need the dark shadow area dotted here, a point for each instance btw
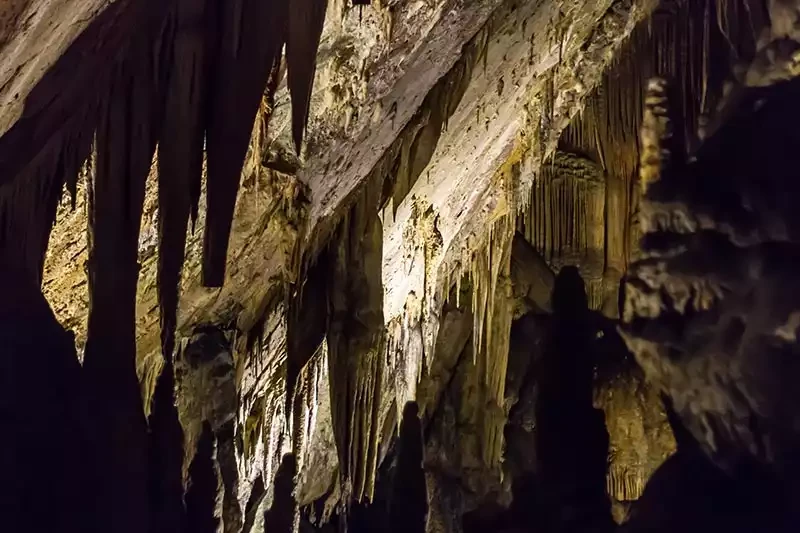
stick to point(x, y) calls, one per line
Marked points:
point(281, 515)
point(46, 446)
point(690, 494)
point(571, 439)
point(165, 448)
point(409, 504)
point(201, 495)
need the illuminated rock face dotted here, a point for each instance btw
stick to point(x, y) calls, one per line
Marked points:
point(393, 239)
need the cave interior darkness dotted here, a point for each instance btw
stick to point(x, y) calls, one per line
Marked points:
point(432, 266)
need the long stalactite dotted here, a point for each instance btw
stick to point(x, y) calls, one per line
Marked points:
point(306, 18)
point(124, 145)
point(214, 60)
point(186, 76)
point(180, 153)
point(356, 347)
point(251, 37)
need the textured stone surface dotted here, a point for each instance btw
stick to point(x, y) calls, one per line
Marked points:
point(446, 108)
point(373, 74)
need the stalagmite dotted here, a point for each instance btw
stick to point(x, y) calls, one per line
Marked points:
point(282, 516)
point(409, 504)
point(254, 501)
point(230, 481)
point(572, 456)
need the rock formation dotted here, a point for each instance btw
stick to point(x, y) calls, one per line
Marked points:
point(442, 266)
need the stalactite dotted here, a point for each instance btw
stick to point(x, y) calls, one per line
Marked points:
point(356, 346)
point(125, 142)
point(306, 18)
point(263, 419)
point(28, 205)
point(492, 310)
point(564, 220)
point(251, 40)
point(206, 390)
point(229, 474)
point(679, 42)
point(273, 424)
point(180, 154)
point(306, 321)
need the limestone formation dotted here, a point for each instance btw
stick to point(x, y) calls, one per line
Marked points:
point(441, 266)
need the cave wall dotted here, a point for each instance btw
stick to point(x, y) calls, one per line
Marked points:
point(411, 242)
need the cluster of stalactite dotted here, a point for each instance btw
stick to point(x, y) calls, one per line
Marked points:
point(710, 306)
point(492, 308)
point(565, 218)
point(264, 423)
point(186, 77)
point(192, 82)
point(262, 437)
point(343, 264)
point(640, 437)
point(282, 357)
point(358, 353)
point(356, 345)
point(693, 43)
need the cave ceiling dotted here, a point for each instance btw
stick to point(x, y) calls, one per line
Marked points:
point(452, 93)
point(281, 222)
